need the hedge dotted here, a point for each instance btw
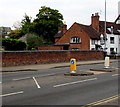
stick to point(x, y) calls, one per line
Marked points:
point(13, 44)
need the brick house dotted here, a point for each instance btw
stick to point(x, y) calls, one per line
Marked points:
point(83, 37)
point(79, 36)
point(88, 37)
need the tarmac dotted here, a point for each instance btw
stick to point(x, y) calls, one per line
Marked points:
point(58, 65)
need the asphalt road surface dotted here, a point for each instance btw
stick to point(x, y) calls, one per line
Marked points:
point(51, 87)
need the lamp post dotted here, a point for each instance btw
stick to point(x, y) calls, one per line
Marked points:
point(105, 36)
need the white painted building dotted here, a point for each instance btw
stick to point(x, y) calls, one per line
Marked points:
point(113, 44)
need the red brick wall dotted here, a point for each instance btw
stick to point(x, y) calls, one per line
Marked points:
point(56, 39)
point(50, 48)
point(43, 57)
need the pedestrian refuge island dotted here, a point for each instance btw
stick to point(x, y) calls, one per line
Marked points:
point(106, 67)
point(73, 70)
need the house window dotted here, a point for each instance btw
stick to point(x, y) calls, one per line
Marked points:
point(93, 42)
point(111, 50)
point(75, 49)
point(112, 40)
point(75, 40)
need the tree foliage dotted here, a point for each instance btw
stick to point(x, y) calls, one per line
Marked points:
point(34, 41)
point(26, 24)
point(15, 34)
point(47, 23)
point(13, 44)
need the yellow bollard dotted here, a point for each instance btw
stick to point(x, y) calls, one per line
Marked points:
point(73, 65)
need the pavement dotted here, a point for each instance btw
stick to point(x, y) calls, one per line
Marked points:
point(49, 66)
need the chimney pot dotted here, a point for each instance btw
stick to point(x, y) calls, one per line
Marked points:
point(96, 14)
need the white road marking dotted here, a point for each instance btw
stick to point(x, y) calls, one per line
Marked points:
point(115, 75)
point(36, 82)
point(15, 93)
point(60, 85)
point(0, 82)
point(17, 79)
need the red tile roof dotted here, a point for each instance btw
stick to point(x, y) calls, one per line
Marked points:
point(92, 33)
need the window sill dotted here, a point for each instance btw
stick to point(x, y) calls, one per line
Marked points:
point(75, 43)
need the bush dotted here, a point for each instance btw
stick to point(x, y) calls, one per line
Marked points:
point(34, 41)
point(13, 44)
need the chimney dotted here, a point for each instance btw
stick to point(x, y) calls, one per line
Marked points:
point(95, 21)
point(63, 28)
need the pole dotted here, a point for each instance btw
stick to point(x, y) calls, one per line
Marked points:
point(105, 27)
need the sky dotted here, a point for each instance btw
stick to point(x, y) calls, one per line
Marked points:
point(80, 11)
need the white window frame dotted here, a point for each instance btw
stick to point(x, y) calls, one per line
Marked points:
point(75, 40)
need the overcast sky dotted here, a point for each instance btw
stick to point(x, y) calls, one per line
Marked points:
point(12, 11)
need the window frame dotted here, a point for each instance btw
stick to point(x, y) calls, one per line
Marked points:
point(75, 40)
point(112, 40)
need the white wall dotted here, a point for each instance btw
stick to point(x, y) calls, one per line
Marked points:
point(116, 44)
point(92, 46)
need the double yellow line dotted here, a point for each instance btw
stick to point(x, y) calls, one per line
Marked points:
point(103, 101)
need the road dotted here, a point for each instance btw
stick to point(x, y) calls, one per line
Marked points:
point(51, 87)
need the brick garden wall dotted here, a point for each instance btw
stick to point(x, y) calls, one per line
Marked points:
point(43, 57)
point(50, 48)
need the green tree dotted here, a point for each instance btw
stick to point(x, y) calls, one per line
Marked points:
point(15, 34)
point(47, 23)
point(34, 41)
point(13, 44)
point(26, 24)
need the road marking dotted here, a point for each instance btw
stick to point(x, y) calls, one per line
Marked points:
point(104, 100)
point(15, 93)
point(115, 74)
point(17, 79)
point(36, 82)
point(0, 82)
point(60, 85)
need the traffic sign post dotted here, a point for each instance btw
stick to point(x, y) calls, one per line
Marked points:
point(72, 65)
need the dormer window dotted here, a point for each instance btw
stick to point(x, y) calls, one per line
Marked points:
point(75, 40)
